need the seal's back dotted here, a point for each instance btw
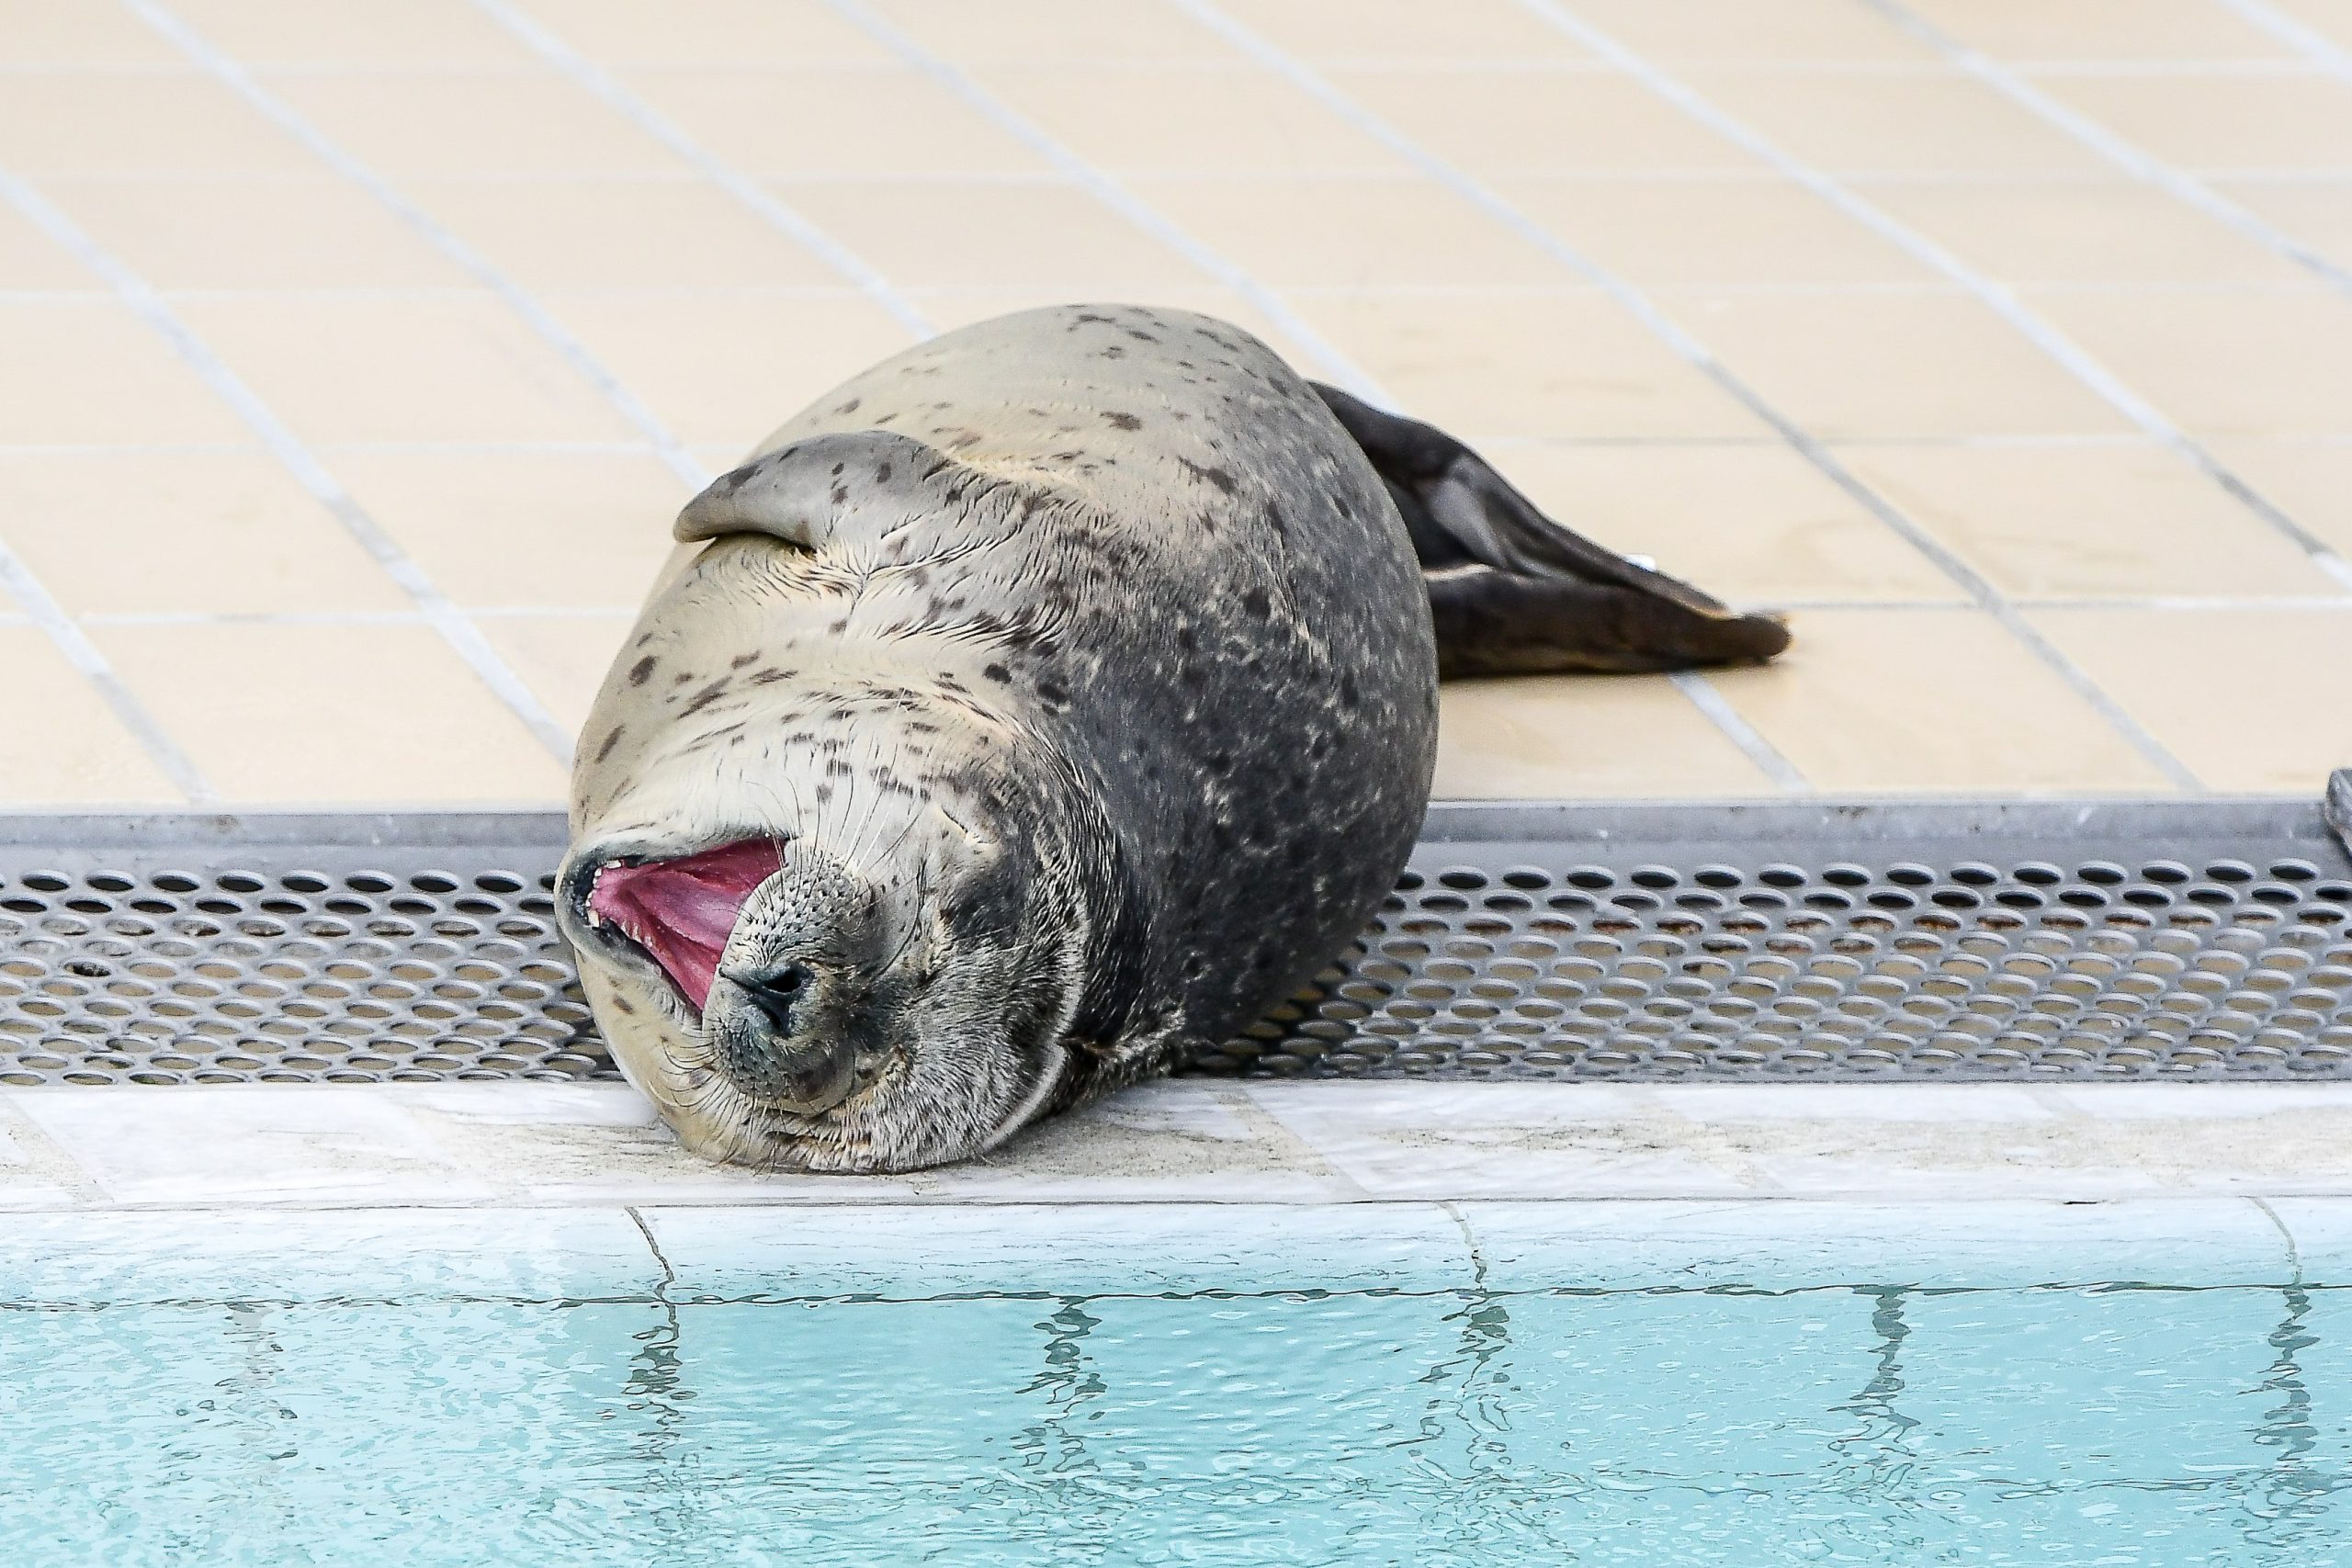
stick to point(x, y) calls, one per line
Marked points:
point(1198, 591)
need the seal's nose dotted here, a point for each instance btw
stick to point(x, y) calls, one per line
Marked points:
point(773, 1060)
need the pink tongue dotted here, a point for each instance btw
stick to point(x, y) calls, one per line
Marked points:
point(682, 911)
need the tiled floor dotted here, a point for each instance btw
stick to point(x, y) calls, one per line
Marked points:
point(352, 354)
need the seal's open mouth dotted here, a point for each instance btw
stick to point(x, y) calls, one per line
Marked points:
point(682, 911)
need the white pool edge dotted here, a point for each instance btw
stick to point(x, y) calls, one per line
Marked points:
point(537, 1190)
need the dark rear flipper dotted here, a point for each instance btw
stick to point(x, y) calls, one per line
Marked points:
point(1515, 594)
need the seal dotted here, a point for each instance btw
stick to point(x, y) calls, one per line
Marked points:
point(1039, 705)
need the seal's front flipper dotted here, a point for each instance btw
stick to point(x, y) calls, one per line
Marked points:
point(1513, 593)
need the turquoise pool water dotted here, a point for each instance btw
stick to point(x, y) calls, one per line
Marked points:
point(1725, 1424)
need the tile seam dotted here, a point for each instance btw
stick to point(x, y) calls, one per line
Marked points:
point(298, 459)
point(2313, 43)
point(567, 344)
point(1688, 348)
point(40, 608)
point(2078, 361)
point(1110, 192)
point(2053, 344)
point(1334, 362)
point(2116, 148)
point(608, 90)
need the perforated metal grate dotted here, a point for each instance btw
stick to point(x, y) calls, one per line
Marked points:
point(2182, 940)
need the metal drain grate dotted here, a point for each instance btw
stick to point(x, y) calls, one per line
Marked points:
point(2021, 941)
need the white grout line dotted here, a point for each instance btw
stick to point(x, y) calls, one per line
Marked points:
point(1332, 361)
point(2296, 34)
point(552, 331)
point(1081, 289)
point(42, 611)
point(2116, 149)
point(2002, 300)
point(1460, 64)
point(299, 460)
point(1116, 196)
point(605, 88)
point(1785, 775)
point(1693, 351)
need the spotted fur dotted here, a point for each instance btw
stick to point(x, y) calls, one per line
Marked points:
point(1087, 642)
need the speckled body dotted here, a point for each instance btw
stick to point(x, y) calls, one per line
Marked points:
point(1107, 585)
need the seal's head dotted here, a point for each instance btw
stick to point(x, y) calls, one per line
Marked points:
point(884, 1000)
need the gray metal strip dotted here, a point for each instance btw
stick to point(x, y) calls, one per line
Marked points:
point(2031, 941)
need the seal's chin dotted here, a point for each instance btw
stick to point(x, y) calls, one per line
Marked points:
point(682, 911)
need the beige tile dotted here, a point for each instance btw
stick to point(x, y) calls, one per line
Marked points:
point(2317, 212)
point(563, 659)
point(1053, 29)
point(354, 32)
point(709, 32)
point(1941, 701)
point(75, 32)
point(220, 533)
point(2262, 121)
point(1894, 364)
point(1405, 29)
point(1353, 233)
point(2082, 522)
point(552, 529)
point(331, 713)
point(2225, 364)
point(91, 371)
point(2240, 696)
point(142, 122)
point(1926, 121)
point(1757, 526)
point(597, 233)
point(294, 232)
point(2093, 231)
point(727, 370)
point(1696, 232)
point(1565, 738)
point(1187, 120)
point(60, 743)
point(835, 121)
point(31, 259)
point(1555, 366)
point(950, 234)
point(1565, 120)
point(2100, 29)
point(447, 367)
point(489, 122)
point(1753, 31)
point(2312, 479)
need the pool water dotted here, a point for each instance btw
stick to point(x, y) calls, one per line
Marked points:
point(1847, 1424)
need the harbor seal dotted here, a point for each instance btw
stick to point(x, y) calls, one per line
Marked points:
point(1039, 705)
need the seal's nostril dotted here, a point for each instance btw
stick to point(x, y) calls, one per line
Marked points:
point(775, 994)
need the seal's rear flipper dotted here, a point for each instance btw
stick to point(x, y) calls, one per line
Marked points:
point(2336, 807)
point(1513, 593)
